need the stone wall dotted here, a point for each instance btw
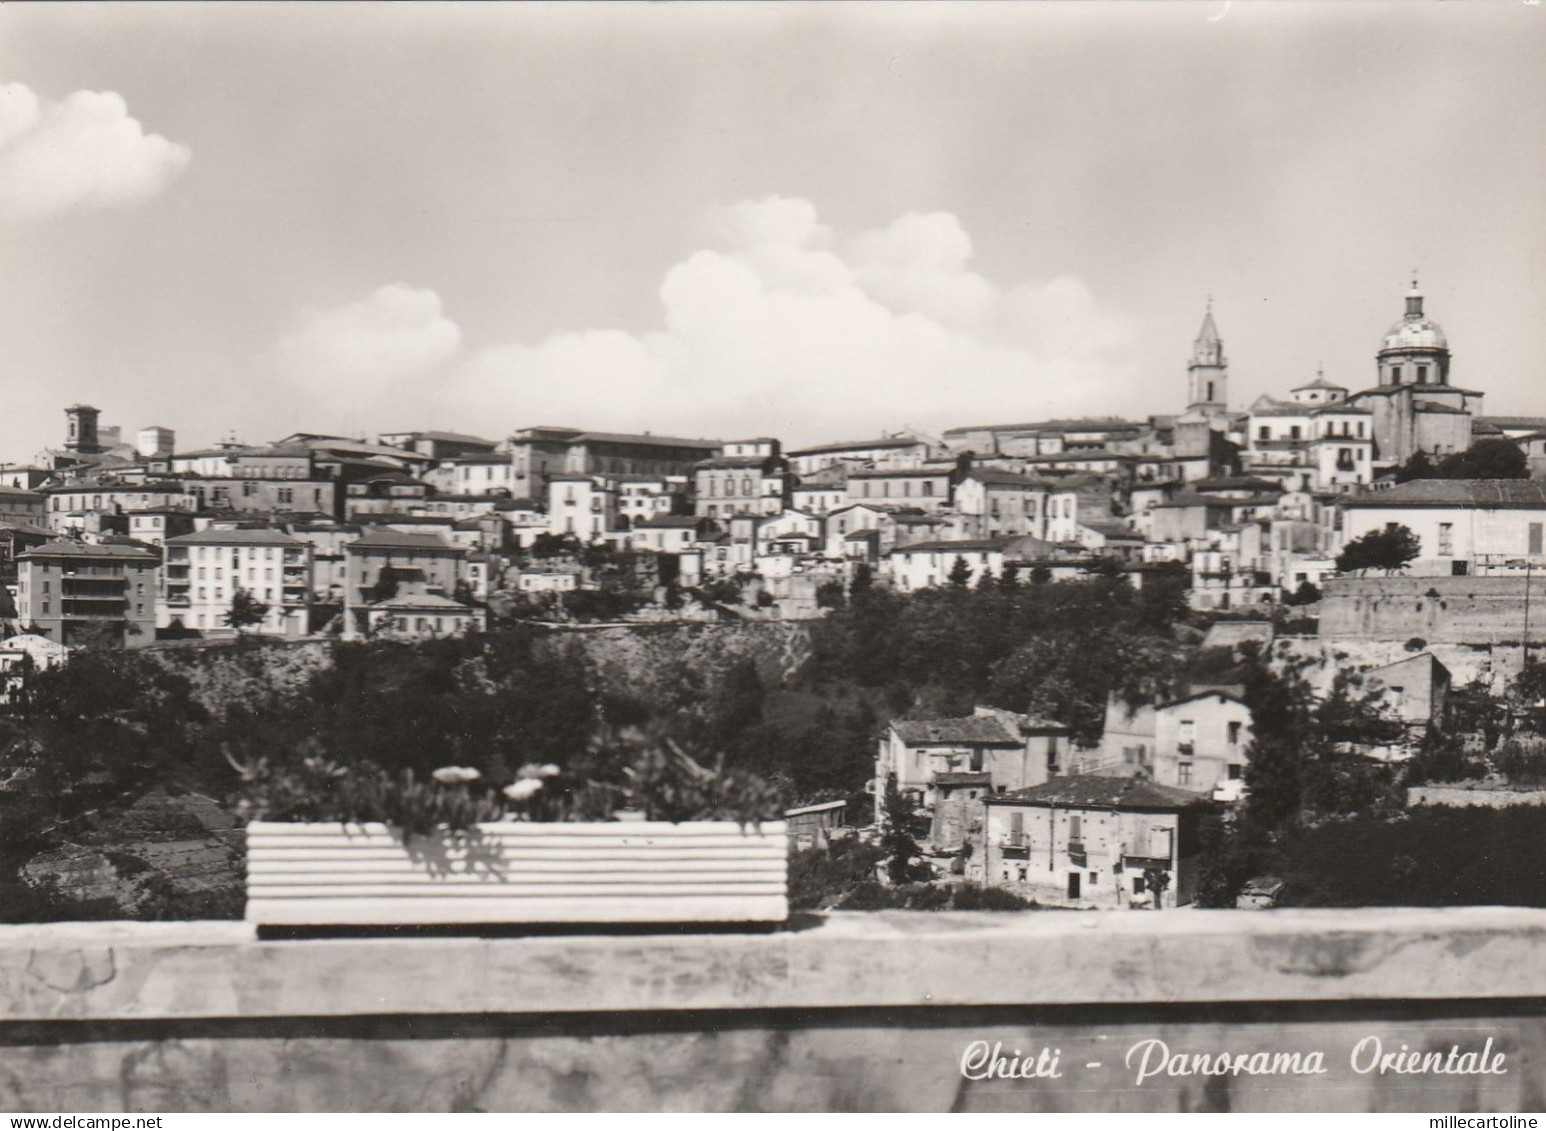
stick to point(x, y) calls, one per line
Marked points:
point(1449, 610)
point(882, 1011)
point(1493, 665)
point(1473, 797)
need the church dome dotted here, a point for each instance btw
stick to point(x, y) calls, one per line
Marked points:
point(1415, 334)
point(1415, 331)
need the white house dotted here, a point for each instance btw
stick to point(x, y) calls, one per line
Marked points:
point(1464, 525)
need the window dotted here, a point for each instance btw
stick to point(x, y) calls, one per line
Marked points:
point(1184, 773)
point(1138, 888)
point(1188, 730)
point(928, 487)
point(1422, 374)
point(1234, 733)
point(1295, 432)
point(1535, 537)
point(1446, 539)
point(1395, 375)
point(1233, 771)
point(1075, 827)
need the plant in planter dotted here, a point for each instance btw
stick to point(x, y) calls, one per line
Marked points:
point(357, 845)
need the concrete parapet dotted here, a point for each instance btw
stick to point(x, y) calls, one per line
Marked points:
point(842, 1011)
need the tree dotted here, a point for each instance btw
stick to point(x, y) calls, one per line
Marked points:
point(1418, 467)
point(1306, 594)
point(245, 611)
point(386, 585)
point(960, 573)
point(1496, 458)
point(1157, 880)
point(1389, 549)
point(830, 595)
point(896, 839)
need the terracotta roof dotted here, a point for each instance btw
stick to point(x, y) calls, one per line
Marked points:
point(1080, 425)
point(1487, 494)
point(1235, 483)
point(642, 438)
point(385, 538)
point(993, 477)
point(861, 445)
point(963, 778)
point(427, 601)
point(733, 462)
point(972, 730)
point(65, 549)
point(957, 547)
point(246, 537)
point(1090, 791)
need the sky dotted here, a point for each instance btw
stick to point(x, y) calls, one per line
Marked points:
point(817, 222)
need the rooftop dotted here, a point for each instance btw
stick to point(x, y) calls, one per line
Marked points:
point(971, 730)
point(67, 549)
point(959, 546)
point(1486, 494)
point(861, 445)
point(1084, 424)
point(241, 537)
point(1089, 790)
point(643, 438)
point(385, 538)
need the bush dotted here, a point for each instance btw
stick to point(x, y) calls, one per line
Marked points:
point(821, 878)
point(872, 896)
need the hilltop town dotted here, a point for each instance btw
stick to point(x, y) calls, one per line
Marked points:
point(1366, 541)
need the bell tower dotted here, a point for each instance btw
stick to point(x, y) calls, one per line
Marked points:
point(81, 432)
point(1208, 370)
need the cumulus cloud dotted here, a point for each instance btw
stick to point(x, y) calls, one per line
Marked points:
point(82, 154)
point(352, 355)
point(780, 326)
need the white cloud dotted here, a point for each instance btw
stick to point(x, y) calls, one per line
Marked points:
point(83, 154)
point(350, 356)
point(772, 330)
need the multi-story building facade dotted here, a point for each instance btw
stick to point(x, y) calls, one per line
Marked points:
point(1009, 751)
point(440, 445)
point(1002, 503)
point(748, 484)
point(251, 495)
point(1463, 525)
point(17, 505)
point(1092, 841)
point(1200, 743)
point(75, 593)
point(203, 572)
point(888, 451)
point(70, 501)
point(414, 565)
point(480, 473)
point(155, 525)
point(923, 488)
point(581, 506)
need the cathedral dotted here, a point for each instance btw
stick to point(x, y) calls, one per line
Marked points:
point(1412, 407)
point(1415, 407)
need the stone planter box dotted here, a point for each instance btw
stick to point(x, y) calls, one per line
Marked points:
point(332, 874)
